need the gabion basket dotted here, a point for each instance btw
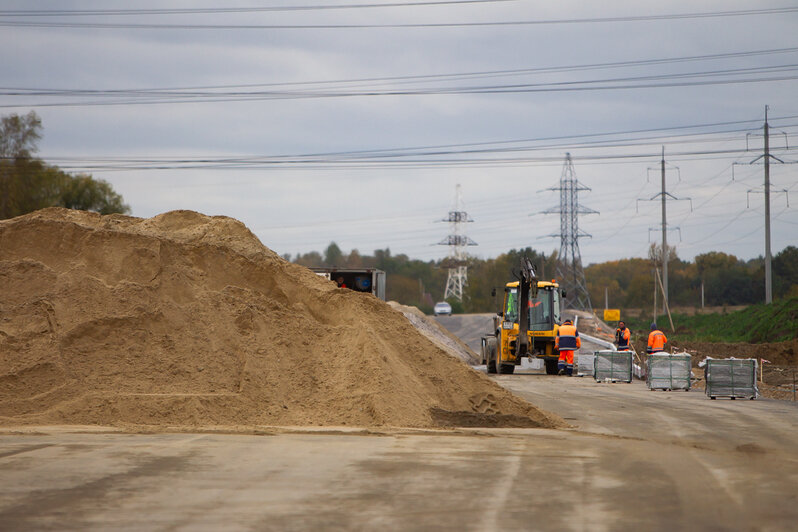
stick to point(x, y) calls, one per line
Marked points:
point(665, 371)
point(612, 366)
point(731, 378)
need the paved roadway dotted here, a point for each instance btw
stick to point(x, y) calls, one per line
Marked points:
point(633, 460)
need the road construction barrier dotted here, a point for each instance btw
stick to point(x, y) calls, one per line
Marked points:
point(666, 371)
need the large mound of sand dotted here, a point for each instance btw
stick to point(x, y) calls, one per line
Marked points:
point(436, 333)
point(188, 320)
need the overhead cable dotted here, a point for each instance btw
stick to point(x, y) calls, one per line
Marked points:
point(589, 20)
point(226, 10)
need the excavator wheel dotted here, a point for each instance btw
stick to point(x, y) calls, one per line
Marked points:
point(490, 354)
point(551, 366)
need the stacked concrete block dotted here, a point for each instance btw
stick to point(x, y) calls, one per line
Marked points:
point(731, 377)
point(612, 366)
point(665, 371)
point(584, 364)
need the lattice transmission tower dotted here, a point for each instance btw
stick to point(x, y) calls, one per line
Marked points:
point(457, 242)
point(570, 274)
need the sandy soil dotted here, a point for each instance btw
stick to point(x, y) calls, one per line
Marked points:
point(188, 320)
point(437, 333)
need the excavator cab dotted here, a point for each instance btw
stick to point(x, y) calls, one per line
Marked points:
point(543, 310)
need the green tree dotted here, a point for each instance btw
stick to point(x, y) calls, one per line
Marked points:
point(28, 184)
point(19, 134)
point(727, 280)
point(18, 137)
point(309, 260)
point(333, 255)
point(86, 194)
point(714, 260)
point(785, 272)
point(354, 260)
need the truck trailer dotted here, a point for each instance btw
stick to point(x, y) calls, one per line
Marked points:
point(369, 280)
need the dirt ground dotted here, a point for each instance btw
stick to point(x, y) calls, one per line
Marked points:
point(778, 372)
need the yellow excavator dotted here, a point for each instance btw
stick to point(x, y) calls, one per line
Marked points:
point(527, 324)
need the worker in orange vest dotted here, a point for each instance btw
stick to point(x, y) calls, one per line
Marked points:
point(656, 340)
point(622, 336)
point(567, 341)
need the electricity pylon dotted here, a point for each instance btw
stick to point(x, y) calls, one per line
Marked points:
point(570, 274)
point(457, 242)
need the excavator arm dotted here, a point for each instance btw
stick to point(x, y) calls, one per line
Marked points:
point(527, 288)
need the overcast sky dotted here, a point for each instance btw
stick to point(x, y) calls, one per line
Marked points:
point(261, 121)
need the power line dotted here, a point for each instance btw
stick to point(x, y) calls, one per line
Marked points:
point(457, 148)
point(224, 10)
point(689, 79)
point(407, 163)
point(591, 20)
point(22, 91)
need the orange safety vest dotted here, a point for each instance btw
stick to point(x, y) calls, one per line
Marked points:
point(623, 337)
point(656, 341)
point(567, 338)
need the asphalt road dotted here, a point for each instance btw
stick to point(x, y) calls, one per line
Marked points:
point(633, 460)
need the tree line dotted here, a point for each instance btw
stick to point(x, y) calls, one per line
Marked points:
point(629, 283)
point(27, 183)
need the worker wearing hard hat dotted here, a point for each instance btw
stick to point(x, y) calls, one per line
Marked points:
point(656, 340)
point(567, 341)
point(622, 336)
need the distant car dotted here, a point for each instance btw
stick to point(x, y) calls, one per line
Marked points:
point(442, 308)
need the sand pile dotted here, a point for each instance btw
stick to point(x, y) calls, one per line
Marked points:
point(437, 333)
point(188, 320)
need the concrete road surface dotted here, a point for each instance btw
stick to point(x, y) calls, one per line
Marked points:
point(633, 460)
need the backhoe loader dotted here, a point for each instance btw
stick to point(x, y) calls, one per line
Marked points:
point(527, 324)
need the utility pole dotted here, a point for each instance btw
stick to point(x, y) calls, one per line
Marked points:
point(768, 279)
point(766, 156)
point(702, 294)
point(654, 319)
point(665, 255)
point(664, 238)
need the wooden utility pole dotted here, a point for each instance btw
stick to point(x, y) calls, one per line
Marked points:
point(667, 308)
point(656, 274)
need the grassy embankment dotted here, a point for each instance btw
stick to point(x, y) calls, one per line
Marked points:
point(758, 323)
